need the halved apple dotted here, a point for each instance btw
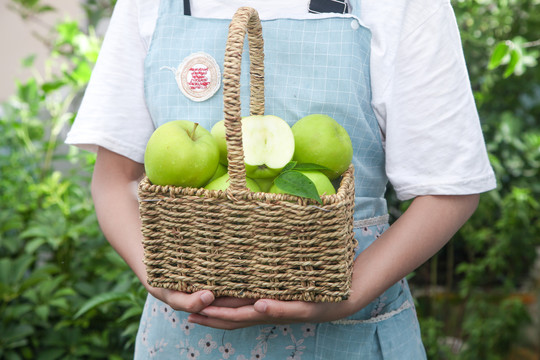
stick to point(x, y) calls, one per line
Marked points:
point(268, 144)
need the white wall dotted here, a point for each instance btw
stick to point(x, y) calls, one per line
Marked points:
point(17, 41)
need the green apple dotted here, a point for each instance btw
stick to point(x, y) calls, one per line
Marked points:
point(181, 153)
point(222, 183)
point(322, 183)
point(321, 140)
point(268, 144)
point(220, 171)
point(218, 132)
point(265, 183)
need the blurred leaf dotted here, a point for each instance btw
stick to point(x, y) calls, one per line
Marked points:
point(52, 85)
point(52, 354)
point(15, 336)
point(500, 51)
point(45, 8)
point(42, 311)
point(12, 271)
point(135, 311)
point(28, 61)
point(99, 300)
point(515, 57)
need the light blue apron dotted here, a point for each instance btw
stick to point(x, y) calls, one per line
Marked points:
point(311, 66)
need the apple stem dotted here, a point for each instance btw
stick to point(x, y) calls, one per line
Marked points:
point(192, 135)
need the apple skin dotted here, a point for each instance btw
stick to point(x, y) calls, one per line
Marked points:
point(265, 183)
point(222, 183)
point(322, 183)
point(262, 171)
point(220, 171)
point(177, 155)
point(321, 140)
point(218, 132)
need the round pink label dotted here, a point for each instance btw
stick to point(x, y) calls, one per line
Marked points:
point(198, 76)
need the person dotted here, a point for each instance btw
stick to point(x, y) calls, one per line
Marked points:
point(392, 73)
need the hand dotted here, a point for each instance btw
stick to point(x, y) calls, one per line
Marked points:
point(266, 311)
point(197, 301)
point(191, 303)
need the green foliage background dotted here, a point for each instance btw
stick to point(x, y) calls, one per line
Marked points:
point(65, 293)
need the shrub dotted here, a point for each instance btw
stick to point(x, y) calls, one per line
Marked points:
point(64, 292)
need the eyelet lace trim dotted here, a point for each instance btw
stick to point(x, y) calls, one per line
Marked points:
point(406, 305)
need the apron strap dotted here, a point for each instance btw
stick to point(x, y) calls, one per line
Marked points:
point(187, 8)
point(329, 6)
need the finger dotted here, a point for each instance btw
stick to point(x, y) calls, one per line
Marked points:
point(263, 311)
point(243, 313)
point(191, 303)
point(218, 323)
point(300, 311)
point(290, 310)
point(233, 302)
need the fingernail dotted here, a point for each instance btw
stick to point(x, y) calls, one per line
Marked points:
point(207, 298)
point(260, 306)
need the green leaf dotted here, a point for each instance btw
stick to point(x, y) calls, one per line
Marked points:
point(99, 300)
point(65, 292)
point(52, 85)
point(115, 357)
point(12, 271)
point(13, 335)
point(500, 51)
point(33, 245)
point(515, 57)
point(35, 279)
point(295, 183)
point(28, 61)
point(45, 8)
point(52, 353)
point(310, 167)
point(135, 311)
point(42, 311)
point(289, 166)
point(27, 3)
point(67, 31)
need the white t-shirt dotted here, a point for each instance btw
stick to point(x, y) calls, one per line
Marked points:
point(421, 92)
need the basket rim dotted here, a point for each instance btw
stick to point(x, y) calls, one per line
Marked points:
point(147, 191)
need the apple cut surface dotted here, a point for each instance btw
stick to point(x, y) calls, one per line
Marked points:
point(268, 144)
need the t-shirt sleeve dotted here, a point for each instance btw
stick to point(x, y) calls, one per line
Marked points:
point(433, 139)
point(113, 112)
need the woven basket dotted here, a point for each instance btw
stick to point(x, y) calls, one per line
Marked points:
point(244, 244)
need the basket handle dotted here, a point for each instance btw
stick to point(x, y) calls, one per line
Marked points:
point(245, 19)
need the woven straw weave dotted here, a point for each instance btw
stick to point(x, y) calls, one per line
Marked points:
point(244, 244)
